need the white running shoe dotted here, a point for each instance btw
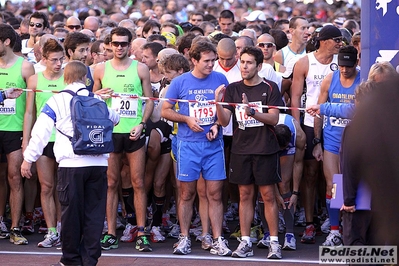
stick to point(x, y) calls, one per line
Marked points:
point(333, 239)
point(156, 235)
point(50, 240)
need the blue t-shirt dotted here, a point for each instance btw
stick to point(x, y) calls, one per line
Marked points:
point(188, 87)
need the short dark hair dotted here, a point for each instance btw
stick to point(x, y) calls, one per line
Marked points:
point(255, 52)
point(226, 14)
point(122, 31)
point(283, 134)
point(73, 40)
point(155, 47)
point(149, 25)
point(185, 41)
point(200, 47)
point(95, 47)
point(157, 37)
point(293, 21)
point(40, 15)
point(175, 62)
point(7, 32)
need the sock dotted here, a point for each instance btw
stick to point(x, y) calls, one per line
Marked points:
point(158, 202)
point(127, 195)
point(273, 238)
point(333, 214)
point(248, 239)
point(52, 229)
point(288, 214)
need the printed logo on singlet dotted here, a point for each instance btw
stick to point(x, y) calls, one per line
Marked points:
point(120, 76)
point(334, 66)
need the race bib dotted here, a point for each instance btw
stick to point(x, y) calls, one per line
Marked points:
point(125, 106)
point(205, 112)
point(244, 120)
point(9, 107)
point(339, 122)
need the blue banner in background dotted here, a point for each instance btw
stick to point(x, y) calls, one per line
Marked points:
point(379, 33)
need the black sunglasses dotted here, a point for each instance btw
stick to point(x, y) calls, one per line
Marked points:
point(37, 25)
point(76, 27)
point(117, 44)
point(61, 39)
point(266, 44)
point(337, 39)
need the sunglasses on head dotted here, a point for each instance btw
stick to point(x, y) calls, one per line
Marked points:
point(266, 44)
point(71, 27)
point(37, 25)
point(337, 39)
point(117, 44)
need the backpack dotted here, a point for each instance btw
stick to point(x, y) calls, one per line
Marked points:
point(92, 128)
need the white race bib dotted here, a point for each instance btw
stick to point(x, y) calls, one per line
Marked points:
point(9, 107)
point(125, 106)
point(244, 120)
point(205, 112)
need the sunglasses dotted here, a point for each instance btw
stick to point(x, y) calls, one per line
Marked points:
point(337, 39)
point(266, 44)
point(37, 25)
point(76, 27)
point(117, 44)
point(61, 39)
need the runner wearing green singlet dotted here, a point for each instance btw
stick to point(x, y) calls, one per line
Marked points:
point(125, 77)
point(51, 79)
point(14, 71)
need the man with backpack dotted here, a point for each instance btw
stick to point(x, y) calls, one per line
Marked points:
point(82, 180)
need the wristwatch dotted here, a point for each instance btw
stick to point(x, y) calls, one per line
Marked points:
point(316, 141)
point(251, 112)
point(144, 125)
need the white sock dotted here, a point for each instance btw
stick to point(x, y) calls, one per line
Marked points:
point(273, 238)
point(248, 239)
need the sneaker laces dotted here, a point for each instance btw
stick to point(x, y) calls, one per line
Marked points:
point(183, 241)
point(127, 230)
point(242, 244)
point(275, 247)
point(3, 226)
point(289, 237)
point(156, 231)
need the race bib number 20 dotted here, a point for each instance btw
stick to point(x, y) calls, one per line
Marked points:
point(125, 106)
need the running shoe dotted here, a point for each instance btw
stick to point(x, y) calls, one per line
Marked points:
point(325, 227)
point(265, 241)
point(166, 222)
point(256, 231)
point(236, 234)
point(172, 210)
point(334, 239)
point(4, 233)
point(289, 242)
point(309, 235)
point(231, 214)
point(183, 246)
point(109, 242)
point(274, 250)
point(206, 242)
point(119, 224)
point(43, 227)
point(175, 231)
point(50, 240)
point(299, 218)
point(142, 244)
point(243, 250)
point(226, 229)
point(17, 238)
point(28, 226)
point(130, 233)
point(196, 222)
point(221, 247)
point(156, 235)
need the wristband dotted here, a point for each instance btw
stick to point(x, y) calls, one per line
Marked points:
point(3, 94)
point(295, 193)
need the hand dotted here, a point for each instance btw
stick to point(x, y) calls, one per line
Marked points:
point(25, 169)
point(13, 93)
point(213, 132)
point(280, 201)
point(348, 208)
point(135, 133)
point(192, 123)
point(219, 93)
point(105, 93)
point(314, 110)
point(318, 152)
point(293, 202)
point(245, 101)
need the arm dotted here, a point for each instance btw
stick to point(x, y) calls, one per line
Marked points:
point(341, 110)
point(30, 111)
point(278, 57)
point(98, 89)
point(300, 144)
point(169, 113)
point(299, 74)
point(223, 114)
point(318, 122)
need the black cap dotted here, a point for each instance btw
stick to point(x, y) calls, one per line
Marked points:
point(347, 59)
point(328, 32)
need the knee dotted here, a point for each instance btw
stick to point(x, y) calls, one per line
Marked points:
point(186, 196)
point(113, 182)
